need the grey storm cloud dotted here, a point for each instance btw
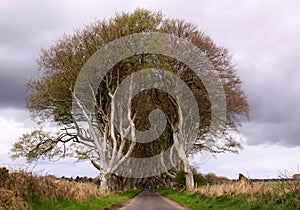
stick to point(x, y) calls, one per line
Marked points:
point(262, 36)
point(26, 26)
point(264, 40)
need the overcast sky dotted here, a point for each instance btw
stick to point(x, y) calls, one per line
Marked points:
point(262, 36)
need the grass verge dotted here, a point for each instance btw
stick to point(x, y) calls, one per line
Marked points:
point(43, 203)
point(233, 202)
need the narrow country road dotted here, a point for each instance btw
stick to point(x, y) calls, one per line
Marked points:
point(151, 200)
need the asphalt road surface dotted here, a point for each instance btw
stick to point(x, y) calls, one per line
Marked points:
point(151, 200)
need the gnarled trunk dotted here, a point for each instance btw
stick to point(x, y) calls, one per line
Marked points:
point(104, 182)
point(179, 143)
point(189, 178)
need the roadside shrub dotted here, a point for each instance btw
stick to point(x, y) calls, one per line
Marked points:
point(211, 179)
point(18, 188)
point(8, 200)
point(180, 179)
point(199, 179)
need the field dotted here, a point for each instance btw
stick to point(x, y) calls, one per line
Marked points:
point(236, 196)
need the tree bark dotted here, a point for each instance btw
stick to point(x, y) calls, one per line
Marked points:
point(179, 143)
point(189, 178)
point(104, 182)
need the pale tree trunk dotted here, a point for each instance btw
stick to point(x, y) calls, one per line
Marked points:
point(179, 143)
point(116, 160)
point(189, 178)
point(103, 177)
point(109, 157)
point(104, 182)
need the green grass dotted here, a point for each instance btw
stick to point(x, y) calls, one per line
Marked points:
point(41, 203)
point(237, 202)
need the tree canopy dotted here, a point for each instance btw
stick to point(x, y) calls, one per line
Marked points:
point(51, 94)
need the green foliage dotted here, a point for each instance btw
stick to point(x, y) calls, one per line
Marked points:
point(50, 96)
point(212, 179)
point(199, 179)
point(180, 179)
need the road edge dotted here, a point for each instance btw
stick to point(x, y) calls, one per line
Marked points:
point(173, 201)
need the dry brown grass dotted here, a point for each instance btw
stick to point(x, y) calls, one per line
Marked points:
point(236, 188)
point(17, 188)
point(283, 192)
point(8, 200)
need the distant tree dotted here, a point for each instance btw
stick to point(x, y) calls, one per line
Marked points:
point(296, 176)
point(212, 178)
point(180, 179)
point(199, 179)
point(50, 98)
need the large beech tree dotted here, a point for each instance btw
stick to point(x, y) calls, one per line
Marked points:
point(51, 94)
